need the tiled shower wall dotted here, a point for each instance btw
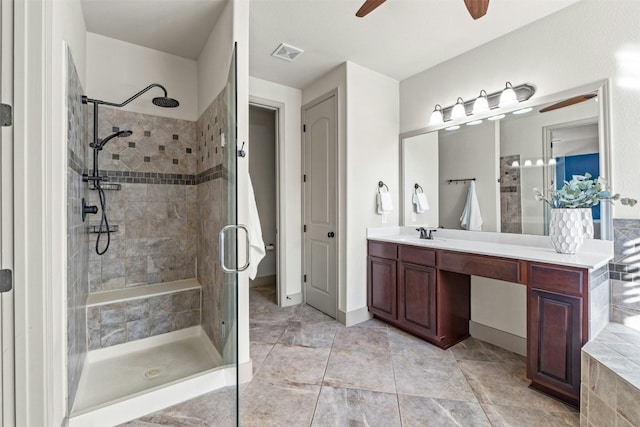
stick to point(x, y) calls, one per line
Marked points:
point(212, 186)
point(624, 273)
point(510, 196)
point(77, 238)
point(156, 209)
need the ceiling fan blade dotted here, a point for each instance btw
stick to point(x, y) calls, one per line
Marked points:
point(567, 102)
point(477, 8)
point(368, 7)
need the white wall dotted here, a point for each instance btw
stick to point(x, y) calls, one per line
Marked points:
point(288, 100)
point(583, 43)
point(420, 166)
point(215, 59)
point(262, 168)
point(372, 155)
point(469, 152)
point(116, 70)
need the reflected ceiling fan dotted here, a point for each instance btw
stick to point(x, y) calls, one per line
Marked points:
point(570, 101)
point(477, 8)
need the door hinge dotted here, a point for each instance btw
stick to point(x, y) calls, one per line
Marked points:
point(6, 115)
point(6, 280)
point(304, 278)
point(304, 228)
point(304, 178)
point(304, 128)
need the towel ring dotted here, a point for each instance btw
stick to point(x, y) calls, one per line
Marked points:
point(416, 186)
point(382, 184)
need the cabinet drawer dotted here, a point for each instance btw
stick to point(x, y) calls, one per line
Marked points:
point(553, 278)
point(420, 256)
point(478, 265)
point(383, 250)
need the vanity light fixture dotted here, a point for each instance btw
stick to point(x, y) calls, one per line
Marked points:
point(436, 116)
point(455, 127)
point(552, 161)
point(481, 104)
point(508, 96)
point(474, 123)
point(458, 112)
point(528, 163)
point(498, 117)
point(515, 164)
point(539, 162)
point(523, 111)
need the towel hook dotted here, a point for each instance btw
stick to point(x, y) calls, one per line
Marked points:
point(382, 184)
point(416, 186)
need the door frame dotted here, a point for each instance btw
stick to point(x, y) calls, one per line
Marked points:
point(281, 246)
point(7, 327)
point(339, 240)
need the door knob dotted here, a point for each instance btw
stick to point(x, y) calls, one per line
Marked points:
point(331, 234)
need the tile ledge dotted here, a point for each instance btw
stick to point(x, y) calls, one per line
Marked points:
point(604, 352)
point(144, 291)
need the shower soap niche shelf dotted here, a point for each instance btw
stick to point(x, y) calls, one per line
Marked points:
point(106, 186)
point(97, 229)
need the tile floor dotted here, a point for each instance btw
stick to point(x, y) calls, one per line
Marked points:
point(311, 371)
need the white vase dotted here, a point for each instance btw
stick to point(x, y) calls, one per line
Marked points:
point(587, 222)
point(566, 230)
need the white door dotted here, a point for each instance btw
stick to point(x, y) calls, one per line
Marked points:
point(320, 146)
point(7, 412)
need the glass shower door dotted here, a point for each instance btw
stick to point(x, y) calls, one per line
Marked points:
point(228, 236)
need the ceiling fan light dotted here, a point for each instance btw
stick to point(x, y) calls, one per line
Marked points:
point(436, 116)
point(481, 105)
point(458, 112)
point(508, 97)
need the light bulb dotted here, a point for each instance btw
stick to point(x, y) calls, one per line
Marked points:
point(436, 116)
point(527, 163)
point(552, 161)
point(498, 117)
point(539, 162)
point(515, 164)
point(508, 96)
point(458, 112)
point(481, 105)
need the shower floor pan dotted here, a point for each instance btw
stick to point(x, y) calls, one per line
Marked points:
point(126, 381)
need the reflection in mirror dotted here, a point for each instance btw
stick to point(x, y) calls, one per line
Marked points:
point(531, 148)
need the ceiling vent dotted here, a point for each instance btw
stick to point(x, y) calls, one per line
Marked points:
point(287, 52)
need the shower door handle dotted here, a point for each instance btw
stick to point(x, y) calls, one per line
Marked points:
point(221, 248)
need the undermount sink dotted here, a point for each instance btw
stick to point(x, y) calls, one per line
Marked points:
point(418, 239)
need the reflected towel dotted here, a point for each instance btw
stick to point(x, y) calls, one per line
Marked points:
point(384, 202)
point(256, 243)
point(471, 218)
point(420, 200)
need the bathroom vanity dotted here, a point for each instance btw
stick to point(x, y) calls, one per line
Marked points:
point(423, 287)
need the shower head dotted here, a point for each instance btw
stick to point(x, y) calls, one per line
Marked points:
point(164, 102)
point(161, 101)
point(119, 134)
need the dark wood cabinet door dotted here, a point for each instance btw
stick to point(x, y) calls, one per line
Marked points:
point(417, 299)
point(554, 342)
point(381, 283)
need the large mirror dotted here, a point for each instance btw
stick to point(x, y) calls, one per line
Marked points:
point(538, 144)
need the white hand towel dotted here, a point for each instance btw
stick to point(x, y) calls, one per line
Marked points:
point(256, 244)
point(420, 200)
point(471, 218)
point(384, 201)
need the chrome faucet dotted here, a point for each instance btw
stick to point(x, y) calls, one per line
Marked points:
point(426, 233)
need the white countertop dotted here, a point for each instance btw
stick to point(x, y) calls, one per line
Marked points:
point(592, 255)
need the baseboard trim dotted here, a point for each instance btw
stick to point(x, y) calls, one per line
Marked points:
point(354, 317)
point(245, 371)
point(497, 337)
point(263, 281)
point(293, 299)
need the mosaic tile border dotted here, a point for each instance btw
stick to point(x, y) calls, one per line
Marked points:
point(128, 177)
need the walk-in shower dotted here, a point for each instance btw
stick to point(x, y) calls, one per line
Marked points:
point(97, 145)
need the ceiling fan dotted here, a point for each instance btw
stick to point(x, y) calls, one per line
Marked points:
point(570, 101)
point(477, 8)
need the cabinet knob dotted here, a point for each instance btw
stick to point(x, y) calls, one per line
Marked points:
point(331, 235)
